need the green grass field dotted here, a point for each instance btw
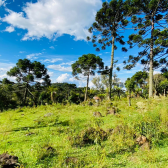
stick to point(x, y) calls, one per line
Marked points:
point(52, 136)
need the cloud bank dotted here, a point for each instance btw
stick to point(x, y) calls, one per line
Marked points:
point(53, 18)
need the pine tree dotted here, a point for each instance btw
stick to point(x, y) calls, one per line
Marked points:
point(27, 72)
point(150, 23)
point(86, 66)
point(106, 30)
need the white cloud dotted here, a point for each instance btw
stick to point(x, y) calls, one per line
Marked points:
point(70, 79)
point(91, 85)
point(62, 78)
point(50, 73)
point(8, 77)
point(52, 47)
point(53, 18)
point(4, 68)
point(120, 65)
point(53, 60)
point(9, 29)
point(2, 2)
point(156, 72)
point(60, 68)
point(21, 52)
point(33, 56)
point(67, 63)
point(131, 71)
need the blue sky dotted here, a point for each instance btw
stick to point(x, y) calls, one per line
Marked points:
point(54, 33)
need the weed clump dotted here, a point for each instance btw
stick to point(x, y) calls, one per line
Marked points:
point(141, 105)
point(122, 139)
point(97, 114)
point(111, 112)
point(72, 161)
point(46, 152)
point(89, 136)
point(40, 123)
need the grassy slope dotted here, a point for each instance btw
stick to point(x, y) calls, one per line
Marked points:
point(68, 121)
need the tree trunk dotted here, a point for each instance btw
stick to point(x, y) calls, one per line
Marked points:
point(129, 98)
point(24, 98)
point(155, 92)
point(25, 95)
point(52, 98)
point(151, 62)
point(86, 88)
point(164, 92)
point(31, 95)
point(111, 68)
point(68, 94)
point(119, 94)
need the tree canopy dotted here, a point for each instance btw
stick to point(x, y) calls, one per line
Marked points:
point(86, 66)
point(28, 72)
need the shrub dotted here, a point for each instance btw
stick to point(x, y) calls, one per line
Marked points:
point(89, 136)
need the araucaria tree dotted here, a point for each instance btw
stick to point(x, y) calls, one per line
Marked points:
point(110, 19)
point(130, 86)
point(86, 66)
point(151, 35)
point(27, 72)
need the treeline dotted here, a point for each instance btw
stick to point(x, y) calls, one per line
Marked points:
point(12, 94)
point(34, 88)
point(136, 86)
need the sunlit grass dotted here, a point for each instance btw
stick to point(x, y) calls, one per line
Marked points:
point(28, 132)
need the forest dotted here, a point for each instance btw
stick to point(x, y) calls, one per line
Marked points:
point(114, 123)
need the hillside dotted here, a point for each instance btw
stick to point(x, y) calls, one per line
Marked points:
point(70, 136)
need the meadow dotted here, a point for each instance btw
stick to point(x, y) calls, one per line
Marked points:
point(58, 136)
